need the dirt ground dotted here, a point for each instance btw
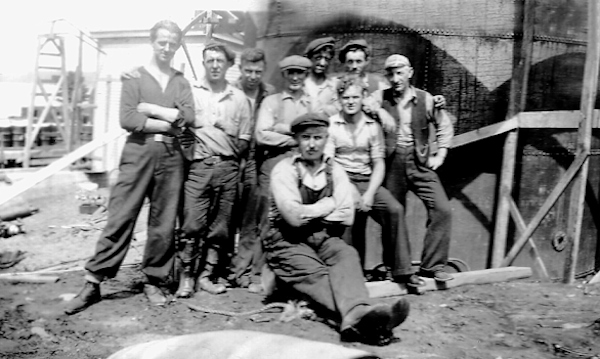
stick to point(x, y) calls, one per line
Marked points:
point(520, 319)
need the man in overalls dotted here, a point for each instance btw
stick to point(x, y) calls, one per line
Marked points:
point(311, 206)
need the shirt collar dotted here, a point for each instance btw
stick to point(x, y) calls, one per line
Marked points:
point(327, 159)
point(285, 95)
point(339, 118)
point(203, 84)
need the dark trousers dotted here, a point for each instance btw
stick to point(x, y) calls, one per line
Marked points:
point(326, 269)
point(404, 174)
point(249, 250)
point(389, 214)
point(147, 169)
point(208, 195)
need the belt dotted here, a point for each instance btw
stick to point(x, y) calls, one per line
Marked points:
point(157, 137)
point(213, 160)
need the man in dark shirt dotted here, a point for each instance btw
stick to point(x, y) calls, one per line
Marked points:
point(154, 107)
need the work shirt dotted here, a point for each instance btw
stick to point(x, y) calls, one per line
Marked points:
point(145, 88)
point(323, 96)
point(290, 172)
point(441, 120)
point(279, 108)
point(355, 147)
point(222, 120)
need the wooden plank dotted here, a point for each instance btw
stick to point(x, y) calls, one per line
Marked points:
point(37, 177)
point(550, 119)
point(28, 278)
point(485, 132)
point(484, 276)
point(521, 226)
point(539, 216)
point(517, 100)
point(584, 140)
point(595, 279)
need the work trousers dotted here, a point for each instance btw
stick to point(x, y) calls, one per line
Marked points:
point(147, 169)
point(389, 214)
point(404, 173)
point(324, 268)
point(208, 195)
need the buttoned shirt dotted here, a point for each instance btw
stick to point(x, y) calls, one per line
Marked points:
point(286, 178)
point(441, 120)
point(355, 146)
point(323, 96)
point(279, 108)
point(222, 119)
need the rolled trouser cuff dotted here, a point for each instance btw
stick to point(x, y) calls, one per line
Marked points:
point(93, 278)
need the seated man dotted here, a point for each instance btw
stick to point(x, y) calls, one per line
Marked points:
point(356, 142)
point(311, 206)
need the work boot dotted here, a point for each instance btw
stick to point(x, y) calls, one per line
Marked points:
point(155, 295)
point(88, 296)
point(186, 286)
point(367, 324)
point(209, 286)
point(399, 313)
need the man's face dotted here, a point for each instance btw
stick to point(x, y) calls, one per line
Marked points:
point(352, 100)
point(294, 79)
point(311, 142)
point(252, 73)
point(165, 45)
point(399, 77)
point(216, 65)
point(321, 61)
point(356, 62)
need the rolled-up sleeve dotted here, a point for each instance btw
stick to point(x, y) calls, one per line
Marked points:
point(377, 143)
point(442, 122)
point(264, 123)
point(129, 117)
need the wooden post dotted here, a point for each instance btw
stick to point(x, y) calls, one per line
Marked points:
point(31, 110)
point(584, 138)
point(517, 101)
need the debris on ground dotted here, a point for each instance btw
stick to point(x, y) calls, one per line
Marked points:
point(10, 258)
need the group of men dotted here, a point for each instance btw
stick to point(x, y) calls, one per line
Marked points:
point(313, 161)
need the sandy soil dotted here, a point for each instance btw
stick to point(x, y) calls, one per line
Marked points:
point(521, 319)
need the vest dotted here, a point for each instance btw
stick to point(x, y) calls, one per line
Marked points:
point(419, 125)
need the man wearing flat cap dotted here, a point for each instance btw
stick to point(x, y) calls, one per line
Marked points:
point(222, 132)
point(319, 86)
point(411, 163)
point(356, 56)
point(311, 206)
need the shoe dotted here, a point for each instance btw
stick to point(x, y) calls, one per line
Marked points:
point(438, 275)
point(400, 311)
point(368, 325)
point(256, 288)
point(186, 286)
point(411, 280)
point(155, 295)
point(210, 287)
point(89, 295)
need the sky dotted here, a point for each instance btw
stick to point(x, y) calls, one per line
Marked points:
point(24, 20)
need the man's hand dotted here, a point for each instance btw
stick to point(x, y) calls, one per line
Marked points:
point(434, 162)
point(370, 106)
point(387, 121)
point(439, 101)
point(133, 73)
point(367, 201)
point(281, 128)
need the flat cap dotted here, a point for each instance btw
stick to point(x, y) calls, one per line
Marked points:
point(308, 120)
point(318, 44)
point(353, 45)
point(213, 45)
point(396, 60)
point(295, 62)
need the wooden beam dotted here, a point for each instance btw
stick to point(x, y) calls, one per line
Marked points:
point(37, 177)
point(595, 279)
point(584, 140)
point(485, 132)
point(485, 276)
point(546, 206)
point(521, 226)
point(517, 100)
point(28, 278)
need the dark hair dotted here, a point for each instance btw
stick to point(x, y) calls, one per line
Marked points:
point(358, 48)
point(347, 81)
point(252, 55)
point(167, 25)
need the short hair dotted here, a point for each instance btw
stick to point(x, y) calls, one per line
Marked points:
point(167, 25)
point(252, 55)
point(348, 81)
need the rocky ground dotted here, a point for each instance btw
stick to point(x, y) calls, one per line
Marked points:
point(520, 319)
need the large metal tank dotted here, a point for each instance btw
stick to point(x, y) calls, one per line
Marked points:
point(464, 49)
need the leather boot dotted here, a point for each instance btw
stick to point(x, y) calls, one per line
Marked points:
point(186, 285)
point(89, 295)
